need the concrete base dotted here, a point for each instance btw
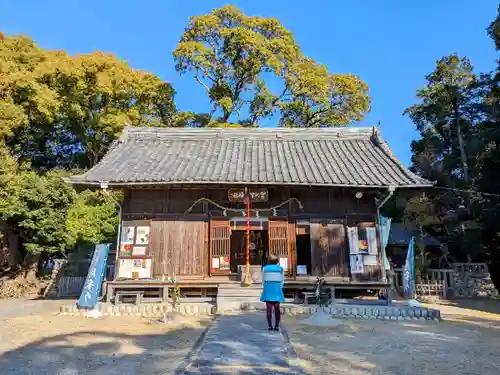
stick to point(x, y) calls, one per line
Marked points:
point(394, 312)
point(145, 310)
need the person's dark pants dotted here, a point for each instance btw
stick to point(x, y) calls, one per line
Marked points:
point(270, 306)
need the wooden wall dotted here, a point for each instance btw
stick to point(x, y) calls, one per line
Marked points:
point(329, 250)
point(317, 202)
point(186, 236)
point(179, 248)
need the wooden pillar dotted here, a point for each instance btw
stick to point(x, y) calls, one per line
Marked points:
point(292, 244)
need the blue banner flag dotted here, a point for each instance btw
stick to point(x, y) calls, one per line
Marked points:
point(409, 271)
point(385, 230)
point(93, 283)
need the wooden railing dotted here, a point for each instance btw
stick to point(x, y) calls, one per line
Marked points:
point(441, 282)
point(437, 280)
point(468, 268)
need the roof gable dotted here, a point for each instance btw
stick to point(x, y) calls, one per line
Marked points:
point(356, 157)
point(400, 235)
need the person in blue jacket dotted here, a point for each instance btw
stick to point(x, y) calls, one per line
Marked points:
point(272, 295)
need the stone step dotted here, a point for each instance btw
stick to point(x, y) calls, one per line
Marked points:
point(225, 287)
point(239, 293)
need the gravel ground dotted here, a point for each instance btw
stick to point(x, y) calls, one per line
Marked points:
point(465, 343)
point(11, 308)
point(35, 340)
point(49, 344)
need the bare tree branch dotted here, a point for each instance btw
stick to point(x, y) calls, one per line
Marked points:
point(201, 82)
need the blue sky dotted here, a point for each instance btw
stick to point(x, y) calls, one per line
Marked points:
point(390, 44)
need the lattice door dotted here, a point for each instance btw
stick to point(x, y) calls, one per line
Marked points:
point(279, 240)
point(220, 246)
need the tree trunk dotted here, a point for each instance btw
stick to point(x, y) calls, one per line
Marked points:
point(463, 156)
point(225, 117)
point(30, 267)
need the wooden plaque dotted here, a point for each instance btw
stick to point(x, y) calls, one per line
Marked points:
point(257, 194)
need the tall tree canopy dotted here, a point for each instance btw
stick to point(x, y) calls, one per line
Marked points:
point(62, 110)
point(445, 118)
point(231, 54)
point(458, 119)
point(59, 112)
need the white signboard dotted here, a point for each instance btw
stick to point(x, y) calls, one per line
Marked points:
point(127, 235)
point(284, 263)
point(142, 237)
point(215, 263)
point(127, 266)
point(301, 270)
point(357, 266)
point(139, 250)
point(370, 260)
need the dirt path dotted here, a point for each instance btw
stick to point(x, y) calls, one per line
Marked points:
point(48, 344)
point(242, 344)
point(12, 308)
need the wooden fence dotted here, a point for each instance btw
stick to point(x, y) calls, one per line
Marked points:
point(438, 282)
point(441, 282)
point(437, 289)
point(70, 286)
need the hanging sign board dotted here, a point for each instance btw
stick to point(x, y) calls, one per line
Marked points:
point(257, 194)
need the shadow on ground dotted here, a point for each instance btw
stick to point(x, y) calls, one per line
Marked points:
point(480, 304)
point(362, 347)
point(91, 352)
point(358, 347)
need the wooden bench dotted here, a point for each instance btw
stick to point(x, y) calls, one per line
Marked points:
point(115, 288)
point(363, 286)
point(308, 295)
point(122, 293)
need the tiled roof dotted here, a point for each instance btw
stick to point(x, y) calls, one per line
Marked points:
point(401, 236)
point(355, 157)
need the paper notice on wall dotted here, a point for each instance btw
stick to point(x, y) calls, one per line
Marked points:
point(128, 266)
point(139, 250)
point(371, 238)
point(128, 235)
point(284, 263)
point(357, 264)
point(142, 237)
point(370, 260)
point(352, 235)
point(224, 263)
point(215, 263)
point(301, 270)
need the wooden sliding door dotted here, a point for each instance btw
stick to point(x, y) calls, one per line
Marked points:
point(328, 250)
point(281, 242)
point(178, 248)
point(220, 247)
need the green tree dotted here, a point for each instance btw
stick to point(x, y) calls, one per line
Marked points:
point(92, 218)
point(232, 55)
point(488, 179)
point(317, 98)
point(10, 182)
point(445, 119)
point(59, 110)
point(449, 119)
point(39, 214)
